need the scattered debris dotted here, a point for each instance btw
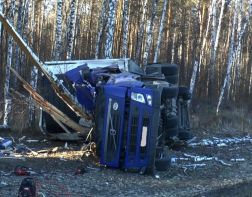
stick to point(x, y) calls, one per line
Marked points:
point(62, 159)
point(21, 139)
point(2, 173)
point(192, 158)
point(66, 146)
point(5, 143)
point(21, 171)
point(199, 158)
point(21, 148)
point(54, 150)
point(3, 183)
point(221, 142)
point(32, 141)
point(238, 159)
point(194, 166)
point(80, 170)
point(222, 162)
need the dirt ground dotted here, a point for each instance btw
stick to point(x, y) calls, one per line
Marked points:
point(55, 168)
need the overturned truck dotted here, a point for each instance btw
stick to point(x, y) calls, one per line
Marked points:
point(133, 112)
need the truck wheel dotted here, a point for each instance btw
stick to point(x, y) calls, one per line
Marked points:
point(184, 92)
point(159, 152)
point(173, 79)
point(162, 164)
point(169, 92)
point(162, 68)
point(169, 69)
point(185, 135)
point(171, 132)
point(171, 122)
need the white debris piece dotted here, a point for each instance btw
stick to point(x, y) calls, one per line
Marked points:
point(192, 158)
point(222, 162)
point(195, 165)
point(32, 141)
point(221, 142)
point(238, 159)
point(3, 183)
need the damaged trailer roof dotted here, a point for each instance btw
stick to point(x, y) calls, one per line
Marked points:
point(59, 67)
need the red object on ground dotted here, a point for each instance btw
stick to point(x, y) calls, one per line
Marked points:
point(21, 171)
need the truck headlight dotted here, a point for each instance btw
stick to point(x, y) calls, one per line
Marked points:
point(137, 97)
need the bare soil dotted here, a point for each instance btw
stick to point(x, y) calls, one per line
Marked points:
point(56, 168)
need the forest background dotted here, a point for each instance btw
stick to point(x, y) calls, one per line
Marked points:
point(210, 40)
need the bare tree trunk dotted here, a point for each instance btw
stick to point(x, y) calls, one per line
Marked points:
point(243, 25)
point(7, 98)
point(71, 29)
point(19, 30)
point(125, 28)
point(150, 27)
point(111, 29)
point(1, 11)
point(211, 68)
point(213, 33)
point(205, 38)
point(161, 29)
point(194, 73)
point(101, 24)
point(58, 31)
point(141, 32)
point(230, 58)
point(214, 42)
point(173, 45)
point(197, 65)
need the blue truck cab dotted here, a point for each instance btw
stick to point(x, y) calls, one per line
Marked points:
point(135, 110)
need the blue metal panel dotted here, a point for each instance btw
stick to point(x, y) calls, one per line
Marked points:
point(113, 125)
point(139, 131)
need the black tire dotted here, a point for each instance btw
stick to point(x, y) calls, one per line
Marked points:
point(173, 79)
point(162, 68)
point(170, 122)
point(184, 92)
point(185, 135)
point(169, 92)
point(159, 151)
point(169, 69)
point(153, 69)
point(171, 132)
point(162, 164)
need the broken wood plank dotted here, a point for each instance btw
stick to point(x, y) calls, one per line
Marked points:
point(48, 107)
point(58, 87)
